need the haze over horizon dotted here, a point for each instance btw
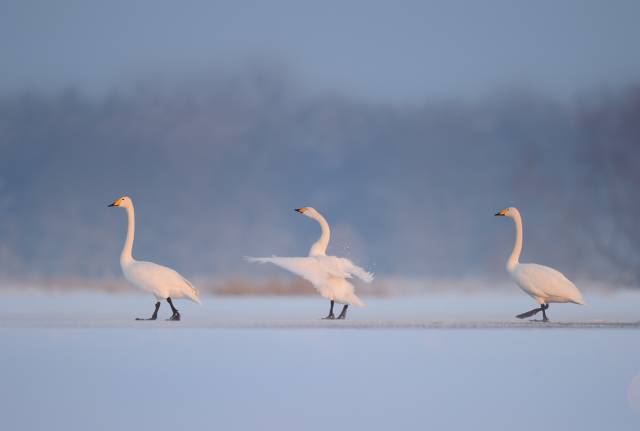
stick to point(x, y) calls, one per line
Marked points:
point(407, 126)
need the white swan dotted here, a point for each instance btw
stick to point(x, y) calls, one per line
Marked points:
point(163, 282)
point(542, 283)
point(328, 274)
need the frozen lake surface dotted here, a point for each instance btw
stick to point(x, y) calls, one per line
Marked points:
point(79, 361)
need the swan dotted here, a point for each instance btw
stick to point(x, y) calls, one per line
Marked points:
point(542, 283)
point(328, 274)
point(162, 282)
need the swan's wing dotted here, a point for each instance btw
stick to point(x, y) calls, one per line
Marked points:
point(359, 272)
point(306, 267)
point(328, 274)
point(317, 269)
point(195, 293)
point(149, 274)
point(341, 267)
point(548, 280)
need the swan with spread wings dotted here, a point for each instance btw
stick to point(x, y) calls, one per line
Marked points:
point(328, 274)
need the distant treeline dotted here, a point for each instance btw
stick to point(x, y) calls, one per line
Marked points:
point(215, 170)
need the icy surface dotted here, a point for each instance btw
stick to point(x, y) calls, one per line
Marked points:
point(79, 361)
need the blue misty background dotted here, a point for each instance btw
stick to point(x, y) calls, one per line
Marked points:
point(407, 124)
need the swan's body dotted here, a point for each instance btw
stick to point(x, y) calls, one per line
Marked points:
point(160, 281)
point(164, 283)
point(544, 284)
point(328, 274)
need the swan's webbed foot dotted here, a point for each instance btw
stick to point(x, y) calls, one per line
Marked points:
point(543, 308)
point(343, 313)
point(154, 316)
point(529, 313)
point(330, 316)
point(176, 315)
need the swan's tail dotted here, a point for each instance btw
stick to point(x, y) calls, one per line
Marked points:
point(578, 300)
point(191, 292)
point(195, 297)
point(355, 301)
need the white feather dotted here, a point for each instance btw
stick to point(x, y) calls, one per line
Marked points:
point(159, 280)
point(328, 274)
point(545, 284)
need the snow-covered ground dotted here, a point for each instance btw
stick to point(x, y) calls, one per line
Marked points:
point(78, 361)
point(32, 307)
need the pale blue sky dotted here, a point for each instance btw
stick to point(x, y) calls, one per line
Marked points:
point(392, 50)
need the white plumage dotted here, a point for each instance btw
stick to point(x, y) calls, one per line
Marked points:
point(159, 280)
point(164, 283)
point(328, 274)
point(544, 284)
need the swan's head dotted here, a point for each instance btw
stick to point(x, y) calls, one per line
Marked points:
point(510, 212)
point(124, 202)
point(308, 211)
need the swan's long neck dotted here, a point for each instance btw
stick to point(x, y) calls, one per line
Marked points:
point(126, 256)
point(319, 248)
point(517, 247)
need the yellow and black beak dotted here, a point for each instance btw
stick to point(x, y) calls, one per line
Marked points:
point(114, 204)
point(300, 210)
point(501, 213)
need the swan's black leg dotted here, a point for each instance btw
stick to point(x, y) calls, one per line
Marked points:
point(154, 316)
point(176, 314)
point(343, 313)
point(544, 314)
point(330, 316)
point(530, 313)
